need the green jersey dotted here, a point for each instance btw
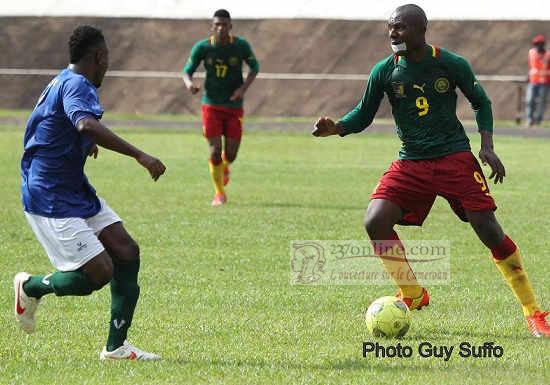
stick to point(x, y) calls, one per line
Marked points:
point(423, 100)
point(223, 65)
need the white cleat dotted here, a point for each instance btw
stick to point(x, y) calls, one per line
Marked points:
point(128, 352)
point(25, 306)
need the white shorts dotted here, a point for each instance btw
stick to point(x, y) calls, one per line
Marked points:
point(71, 242)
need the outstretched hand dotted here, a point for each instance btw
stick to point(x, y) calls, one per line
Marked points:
point(488, 156)
point(324, 127)
point(155, 167)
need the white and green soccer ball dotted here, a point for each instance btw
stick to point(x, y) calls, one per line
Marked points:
point(388, 317)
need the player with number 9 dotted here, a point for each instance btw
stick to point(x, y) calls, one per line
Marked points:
point(420, 81)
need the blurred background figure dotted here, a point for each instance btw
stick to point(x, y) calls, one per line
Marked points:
point(539, 81)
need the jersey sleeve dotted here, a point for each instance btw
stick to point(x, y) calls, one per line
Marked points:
point(474, 92)
point(80, 100)
point(363, 114)
point(195, 58)
point(249, 57)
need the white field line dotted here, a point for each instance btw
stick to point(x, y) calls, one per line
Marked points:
point(261, 75)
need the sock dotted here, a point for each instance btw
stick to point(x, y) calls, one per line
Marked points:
point(226, 163)
point(124, 297)
point(216, 172)
point(61, 283)
point(38, 286)
point(392, 255)
point(508, 260)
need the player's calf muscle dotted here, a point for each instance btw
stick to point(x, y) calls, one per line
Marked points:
point(100, 269)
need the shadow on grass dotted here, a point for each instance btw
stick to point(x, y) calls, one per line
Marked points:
point(355, 363)
point(428, 335)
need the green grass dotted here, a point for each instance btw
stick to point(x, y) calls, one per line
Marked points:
point(216, 301)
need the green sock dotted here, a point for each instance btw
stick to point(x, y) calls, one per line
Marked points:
point(61, 283)
point(124, 297)
point(38, 286)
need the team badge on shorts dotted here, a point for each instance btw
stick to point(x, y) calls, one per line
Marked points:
point(441, 85)
point(233, 61)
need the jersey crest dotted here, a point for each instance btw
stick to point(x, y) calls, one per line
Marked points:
point(441, 85)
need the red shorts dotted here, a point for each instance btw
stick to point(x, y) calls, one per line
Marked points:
point(219, 120)
point(414, 184)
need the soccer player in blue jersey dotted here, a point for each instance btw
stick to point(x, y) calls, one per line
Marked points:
point(83, 237)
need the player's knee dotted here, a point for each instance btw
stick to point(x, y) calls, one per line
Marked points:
point(373, 224)
point(230, 157)
point(487, 228)
point(216, 156)
point(128, 252)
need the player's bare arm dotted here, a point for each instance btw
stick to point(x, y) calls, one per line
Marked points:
point(104, 137)
point(488, 156)
point(326, 127)
point(189, 84)
point(239, 92)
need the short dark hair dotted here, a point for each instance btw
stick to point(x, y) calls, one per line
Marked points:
point(83, 39)
point(415, 10)
point(222, 13)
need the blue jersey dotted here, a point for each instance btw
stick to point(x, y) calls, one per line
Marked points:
point(53, 183)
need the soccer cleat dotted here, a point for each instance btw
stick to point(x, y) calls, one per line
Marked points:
point(25, 306)
point(415, 303)
point(537, 324)
point(226, 173)
point(219, 199)
point(127, 352)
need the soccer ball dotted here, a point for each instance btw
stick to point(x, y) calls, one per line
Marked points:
point(388, 317)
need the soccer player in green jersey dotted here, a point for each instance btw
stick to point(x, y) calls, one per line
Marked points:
point(420, 81)
point(222, 102)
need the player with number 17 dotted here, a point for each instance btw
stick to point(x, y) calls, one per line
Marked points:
point(222, 102)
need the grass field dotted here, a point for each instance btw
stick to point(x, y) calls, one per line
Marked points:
point(216, 301)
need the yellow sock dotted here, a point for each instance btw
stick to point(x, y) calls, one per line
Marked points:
point(396, 264)
point(512, 270)
point(216, 172)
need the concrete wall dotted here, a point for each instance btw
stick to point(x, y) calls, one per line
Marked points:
point(295, 46)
